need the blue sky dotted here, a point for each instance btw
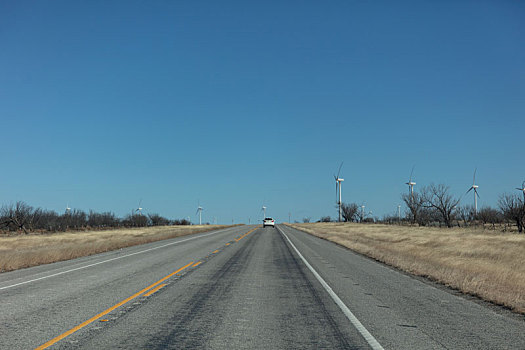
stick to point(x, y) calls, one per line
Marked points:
point(234, 104)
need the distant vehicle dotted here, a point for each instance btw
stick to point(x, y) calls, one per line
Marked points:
point(268, 222)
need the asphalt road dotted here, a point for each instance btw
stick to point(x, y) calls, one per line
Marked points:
point(241, 288)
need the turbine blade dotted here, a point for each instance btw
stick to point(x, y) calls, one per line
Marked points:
point(476, 192)
point(470, 189)
point(339, 171)
point(474, 179)
point(411, 173)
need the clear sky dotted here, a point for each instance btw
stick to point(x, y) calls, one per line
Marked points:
point(238, 103)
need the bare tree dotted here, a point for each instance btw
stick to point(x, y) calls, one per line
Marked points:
point(135, 220)
point(306, 219)
point(437, 197)
point(106, 219)
point(513, 208)
point(349, 211)
point(181, 222)
point(488, 215)
point(16, 217)
point(157, 220)
point(414, 202)
point(466, 213)
point(325, 219)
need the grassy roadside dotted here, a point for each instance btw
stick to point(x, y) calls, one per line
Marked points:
point(482, 263)
point(30, 250)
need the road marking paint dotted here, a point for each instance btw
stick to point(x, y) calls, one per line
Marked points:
point(103, 313)
point(374, 344)
point(154, 290)
point(246, 234)
point(215, 251)
point(228, 243)
point(197, 264)
point(105, 261)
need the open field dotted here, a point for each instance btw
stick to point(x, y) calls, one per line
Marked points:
point(487, 264)
point(30, 250)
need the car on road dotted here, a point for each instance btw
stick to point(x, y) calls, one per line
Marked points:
point(268, 222)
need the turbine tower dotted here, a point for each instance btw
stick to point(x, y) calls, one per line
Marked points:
point(263, 209)
point(199, 211)
point(411, 183)
point(476, 195)
point(522, 189)
point(338, 184)
point(139, 208)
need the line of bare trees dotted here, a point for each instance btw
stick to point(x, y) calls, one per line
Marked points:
point(435, 204)
point(23, 218)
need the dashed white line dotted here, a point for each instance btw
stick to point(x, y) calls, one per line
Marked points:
point(374, 344)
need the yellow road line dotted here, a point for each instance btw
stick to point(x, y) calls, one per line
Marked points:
point(94, 318)
point(246, 234)
point(197, 264)
point(155, 289)
point(215, 251)
point(228, 243)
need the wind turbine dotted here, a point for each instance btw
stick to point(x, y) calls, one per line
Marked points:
point(263, 209)
point(68, 209)
point(199, 211)
point(338, 184)
point(476, 195)
point(522, 189)
point(139, 208)
point(411, 183)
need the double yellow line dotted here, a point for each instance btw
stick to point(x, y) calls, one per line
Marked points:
point(127, 300)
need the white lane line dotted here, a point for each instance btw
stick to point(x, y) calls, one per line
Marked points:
point(374, 344)
point(105, 261)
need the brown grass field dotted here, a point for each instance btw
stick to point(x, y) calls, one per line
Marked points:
point(487, 264)
point(35, 249)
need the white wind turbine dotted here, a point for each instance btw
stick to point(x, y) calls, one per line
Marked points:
point(476, 195)
point(338, 184)
point(522, 189)
point(139, 208)
point(263, 209)
point(411, 183)
point(199, 211)
point(68, 209)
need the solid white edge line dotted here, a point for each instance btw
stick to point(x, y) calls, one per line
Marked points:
point(112, 259)
point(374, 344)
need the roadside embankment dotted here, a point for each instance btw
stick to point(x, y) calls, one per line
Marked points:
point(478, 262)
point(36, 249)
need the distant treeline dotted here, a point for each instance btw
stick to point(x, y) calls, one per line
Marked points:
point(21, 217)
point(433, 205)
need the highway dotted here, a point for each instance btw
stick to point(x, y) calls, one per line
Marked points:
point(244, 287)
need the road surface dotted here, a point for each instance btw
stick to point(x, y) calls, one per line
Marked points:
point(244, 287)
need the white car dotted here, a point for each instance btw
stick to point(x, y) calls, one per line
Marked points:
point(268, 222)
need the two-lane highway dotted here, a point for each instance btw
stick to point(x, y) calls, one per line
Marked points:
point(244, 287)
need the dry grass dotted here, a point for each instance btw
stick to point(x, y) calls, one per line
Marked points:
point(30, 250)
point(484, 263)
